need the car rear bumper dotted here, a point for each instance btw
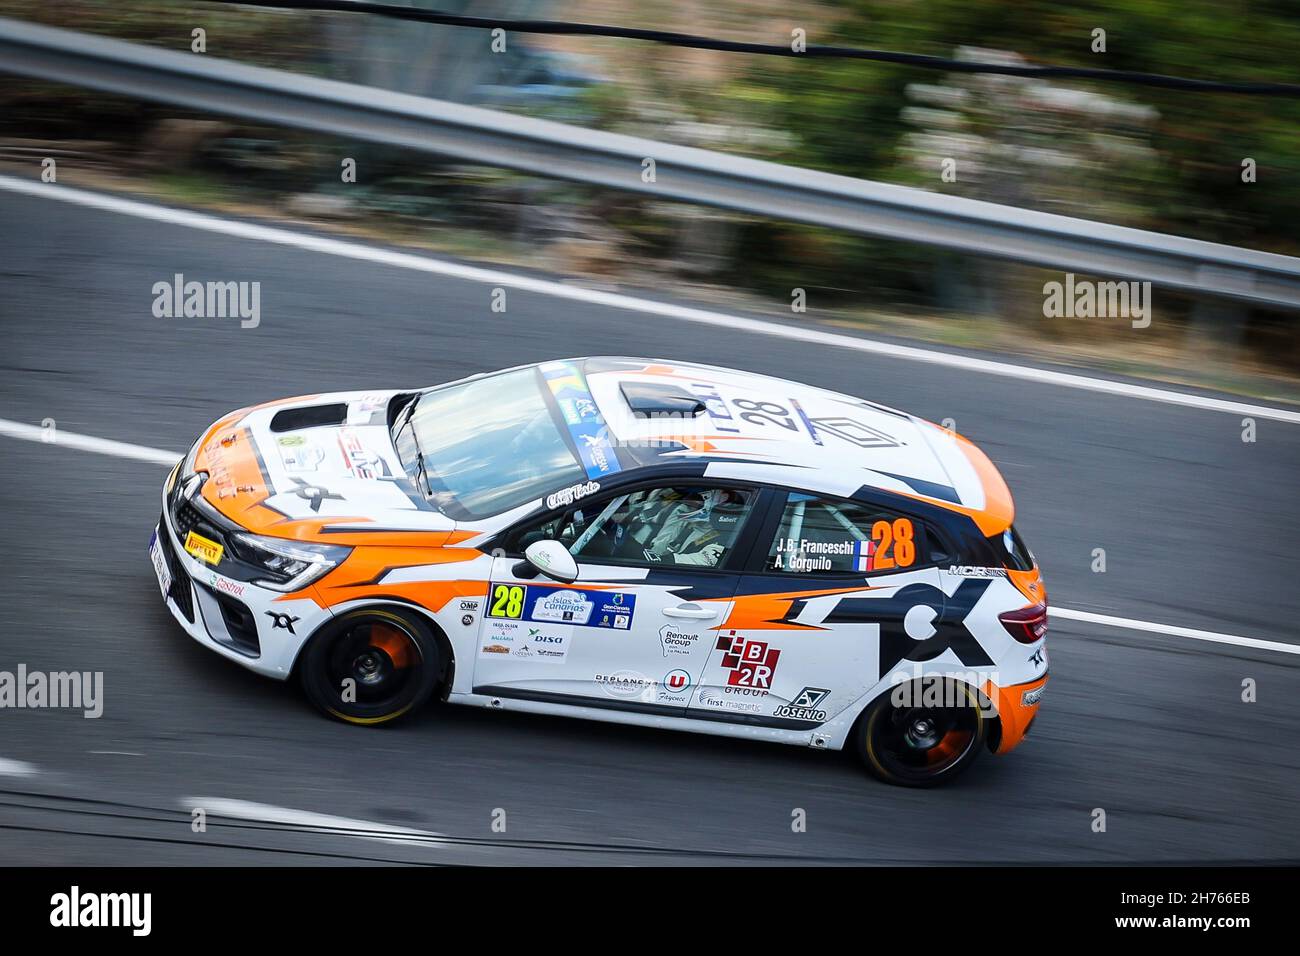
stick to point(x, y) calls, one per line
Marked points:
point(1017, 706)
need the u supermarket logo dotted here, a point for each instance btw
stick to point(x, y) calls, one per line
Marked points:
point(677, 681)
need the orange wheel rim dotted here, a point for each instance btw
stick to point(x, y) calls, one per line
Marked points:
point(950, 745)
point(393, 641)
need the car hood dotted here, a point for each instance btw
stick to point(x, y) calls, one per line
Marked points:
point(313, 467)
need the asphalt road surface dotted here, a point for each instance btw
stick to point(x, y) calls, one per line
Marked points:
point(1199, 530)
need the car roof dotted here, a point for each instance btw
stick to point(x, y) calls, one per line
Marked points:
point(757, 427)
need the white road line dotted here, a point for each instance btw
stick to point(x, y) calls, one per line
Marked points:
point(1188, 632)
point(307, 820)
point(100, 446)
point(123, 450)
point(614, 300)
point(16, 768)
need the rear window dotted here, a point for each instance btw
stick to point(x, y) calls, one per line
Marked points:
point(833, 536)
point(1011, 550)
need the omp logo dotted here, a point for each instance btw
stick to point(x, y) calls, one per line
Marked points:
point(179, 299)
point(74, 909)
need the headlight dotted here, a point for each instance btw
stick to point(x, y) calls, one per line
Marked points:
point(289, 565)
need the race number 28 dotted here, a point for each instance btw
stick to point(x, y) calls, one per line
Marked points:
point(507, 601)
point(895, 545)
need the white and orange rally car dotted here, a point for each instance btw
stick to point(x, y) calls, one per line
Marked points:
point(637, 541)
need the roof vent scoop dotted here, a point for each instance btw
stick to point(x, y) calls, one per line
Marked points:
point(661, 400)
point(311, 416)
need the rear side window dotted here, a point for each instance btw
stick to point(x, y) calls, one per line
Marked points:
point(833, 536)
point(1010, 549)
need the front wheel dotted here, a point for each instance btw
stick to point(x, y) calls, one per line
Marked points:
point(923, 733)
point(370, 666)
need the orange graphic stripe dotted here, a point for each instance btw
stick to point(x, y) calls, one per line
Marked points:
point(764, 612)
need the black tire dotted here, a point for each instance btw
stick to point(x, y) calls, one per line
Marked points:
point(908, 742)
point(391, 657)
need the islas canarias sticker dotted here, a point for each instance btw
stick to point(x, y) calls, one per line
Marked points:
point(582, 416)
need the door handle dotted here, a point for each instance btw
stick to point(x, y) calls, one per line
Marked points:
point(692, 611)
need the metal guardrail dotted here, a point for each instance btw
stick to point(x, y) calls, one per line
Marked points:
point(202, 82)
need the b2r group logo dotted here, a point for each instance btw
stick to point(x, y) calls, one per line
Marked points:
point(751, 663)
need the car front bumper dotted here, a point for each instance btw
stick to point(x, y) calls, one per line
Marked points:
point(250, 625)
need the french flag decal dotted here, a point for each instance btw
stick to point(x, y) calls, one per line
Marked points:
point(866, 559)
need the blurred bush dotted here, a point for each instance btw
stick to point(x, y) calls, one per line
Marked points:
point(1141, 156)
point(1179, 171)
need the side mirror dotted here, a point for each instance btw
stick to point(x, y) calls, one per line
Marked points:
point(550, 558)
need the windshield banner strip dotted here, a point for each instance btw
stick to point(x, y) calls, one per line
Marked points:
point(586, 424)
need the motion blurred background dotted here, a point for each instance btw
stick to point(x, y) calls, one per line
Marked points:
point(1194, 510)
point(1165, 160)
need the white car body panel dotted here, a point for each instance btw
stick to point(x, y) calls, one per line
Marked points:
point(804, 679)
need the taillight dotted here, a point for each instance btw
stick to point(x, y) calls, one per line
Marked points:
point(1028, 624)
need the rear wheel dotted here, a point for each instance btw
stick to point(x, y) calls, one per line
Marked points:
point(370, 666)
point(922, 734)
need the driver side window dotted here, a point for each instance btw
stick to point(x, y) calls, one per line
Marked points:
point(679, 526)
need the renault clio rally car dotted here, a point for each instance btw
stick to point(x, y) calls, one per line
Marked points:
point(636, 541)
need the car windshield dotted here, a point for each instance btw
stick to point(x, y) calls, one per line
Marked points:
point(488, 445)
